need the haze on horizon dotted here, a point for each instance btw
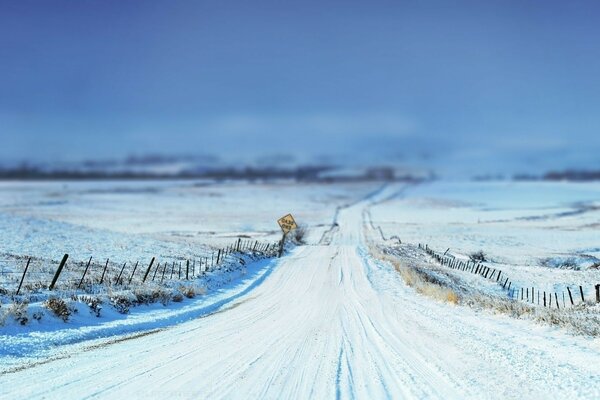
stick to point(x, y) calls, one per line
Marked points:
point(497, 85)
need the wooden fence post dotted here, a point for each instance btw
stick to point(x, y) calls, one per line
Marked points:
point(58, 271)
point(597, 293)
point(544, 298)
point(187, 270)
point(133, 272)
point(148, 270)
point(103, 272)
point(581, 292)
point(163, 273)
point(121, 272)
point(570, 296)
point(84, 272)
point(155, 271)
point(556, 298)
point(23, 277)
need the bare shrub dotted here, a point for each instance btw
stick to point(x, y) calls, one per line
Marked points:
point(478, 256)
point(143, 296)
point(121, 302)
point(560, 263)
point(164, 296)
point(188, 291)
point(299, 234)
point(177, 297)
point(95, 304)
point(17, 310)
point(59, 307)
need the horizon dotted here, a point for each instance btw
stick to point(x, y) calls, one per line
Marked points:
point(500, 87)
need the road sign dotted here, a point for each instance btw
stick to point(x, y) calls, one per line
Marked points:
point(287, 223)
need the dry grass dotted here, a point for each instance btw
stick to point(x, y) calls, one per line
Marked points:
point(424, 286)
point(17, 311)
point(191, 291)
point(439, 284)
point(94, 303)
point(59, 307)
point(420, 281)
point(299, 234)
point(177, 297)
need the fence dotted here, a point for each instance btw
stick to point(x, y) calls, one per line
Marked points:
point(96, 276)
point(527, 294)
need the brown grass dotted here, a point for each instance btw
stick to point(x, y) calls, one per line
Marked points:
point(59, 307)
point(420, 281)
point(583, 319)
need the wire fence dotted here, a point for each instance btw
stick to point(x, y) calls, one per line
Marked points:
point(568, 296)
point(34, 275)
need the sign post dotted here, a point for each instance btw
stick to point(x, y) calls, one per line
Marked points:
point(287, 224)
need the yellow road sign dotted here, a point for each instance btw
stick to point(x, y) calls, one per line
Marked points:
point(287, 223)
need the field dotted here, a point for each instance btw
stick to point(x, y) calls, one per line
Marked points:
point(355, 308)
point(541, 234)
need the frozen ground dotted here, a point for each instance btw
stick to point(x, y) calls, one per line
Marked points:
point(135, 221)
point(328, 320)
point(541, 234)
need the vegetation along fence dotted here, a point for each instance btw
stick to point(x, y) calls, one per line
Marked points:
point(570, 296)
point(93, 276)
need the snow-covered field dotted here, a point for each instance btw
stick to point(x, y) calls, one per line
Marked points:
point(129, 223)
point(139, 220)
point(135, 221)
point(330, 319)
point(540, 234)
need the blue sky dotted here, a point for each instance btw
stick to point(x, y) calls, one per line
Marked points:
point(460, 82)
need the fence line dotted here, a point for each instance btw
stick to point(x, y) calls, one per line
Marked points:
point(121, 275)
point(525, 293)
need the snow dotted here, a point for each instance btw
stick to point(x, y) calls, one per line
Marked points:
point(38, 341)
point(326, 321)
point(522, 227)
point(135, 221)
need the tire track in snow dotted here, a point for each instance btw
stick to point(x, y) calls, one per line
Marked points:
point(328, 322)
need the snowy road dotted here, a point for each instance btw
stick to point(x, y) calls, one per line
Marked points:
point(328, 322)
